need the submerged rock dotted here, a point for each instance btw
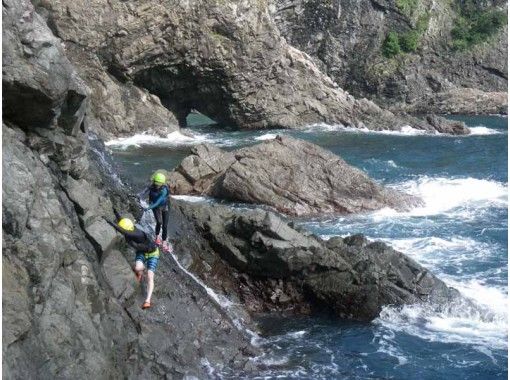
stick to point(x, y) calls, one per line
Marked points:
point(270, 265)
point(293, 176)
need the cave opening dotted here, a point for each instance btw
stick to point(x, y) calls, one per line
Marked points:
point(198, 119)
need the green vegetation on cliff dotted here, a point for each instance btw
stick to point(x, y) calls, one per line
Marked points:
point(405, 42)
point(391, 46)
point(474, 26)
point(406, 6)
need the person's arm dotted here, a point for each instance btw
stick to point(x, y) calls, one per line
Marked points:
point(131, 234)
point(161, 198)
point(144, 191)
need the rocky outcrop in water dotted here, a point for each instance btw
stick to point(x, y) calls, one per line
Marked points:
point(271, 265)
point(225, 59)
point(345, 39)
point(293, 176)
point(71, 307)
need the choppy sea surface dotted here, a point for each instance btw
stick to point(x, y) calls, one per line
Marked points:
point(460, 235)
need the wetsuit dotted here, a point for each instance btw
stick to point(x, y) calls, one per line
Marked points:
point(146, 250)
point(158, 199)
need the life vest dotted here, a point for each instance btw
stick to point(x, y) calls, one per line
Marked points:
point(155, 192)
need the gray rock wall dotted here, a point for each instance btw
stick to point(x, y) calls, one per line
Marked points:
point(345, 38)
point(224, 59)
point(71, 306)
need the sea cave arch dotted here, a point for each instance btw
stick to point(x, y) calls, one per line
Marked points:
point(186, 93)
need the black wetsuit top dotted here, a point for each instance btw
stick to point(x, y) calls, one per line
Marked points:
point(137, 239)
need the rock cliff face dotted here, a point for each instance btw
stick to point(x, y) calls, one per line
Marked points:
point(293, 176)
point(270, 265)
point(224, 59)
point(70, 303)
point(345, 39)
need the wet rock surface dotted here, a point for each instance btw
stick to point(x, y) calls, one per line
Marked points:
point(293, 176)
point(71, 304)
point(270, 265)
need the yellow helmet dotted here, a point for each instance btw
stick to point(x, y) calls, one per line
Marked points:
point(126, 224)
point(159, 178)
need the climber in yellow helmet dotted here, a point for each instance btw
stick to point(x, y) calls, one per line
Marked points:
point(147, 252)
point(158, 192)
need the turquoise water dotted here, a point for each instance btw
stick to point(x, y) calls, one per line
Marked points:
point(460, 235)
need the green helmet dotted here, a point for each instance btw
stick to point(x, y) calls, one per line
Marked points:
point(159, 178)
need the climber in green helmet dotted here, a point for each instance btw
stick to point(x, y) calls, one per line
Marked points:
point(158, 192)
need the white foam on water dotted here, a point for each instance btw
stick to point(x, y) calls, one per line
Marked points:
point(275, 361)
point(392, 350)
point(191, 198)
point(493, 298)
point(175, 138)
point(389, 164)
point(432, 251)
point(323, 127)
point(482, 131)
point(444, 194)
point(484, 324)
point(392, 163)
point(296, 334)
point(408, 131)
point(403, 131)
point(267, 136)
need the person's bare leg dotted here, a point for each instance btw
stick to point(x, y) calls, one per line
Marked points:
point(150, 285)
point(139, 267)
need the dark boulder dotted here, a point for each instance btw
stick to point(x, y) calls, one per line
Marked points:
point(271, 265)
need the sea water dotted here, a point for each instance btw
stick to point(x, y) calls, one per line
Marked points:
point(460, 234)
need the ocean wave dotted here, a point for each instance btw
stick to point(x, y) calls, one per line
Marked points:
point(392, 164)
point(423, 247)
point(484, 324)
point(408, 131)
point(192, 198)
point(403, 131)
point(266, 136)
point(444, 194)
point(172, 139)
point(482, 131)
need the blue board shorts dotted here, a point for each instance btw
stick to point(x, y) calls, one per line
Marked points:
point(150, 259)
